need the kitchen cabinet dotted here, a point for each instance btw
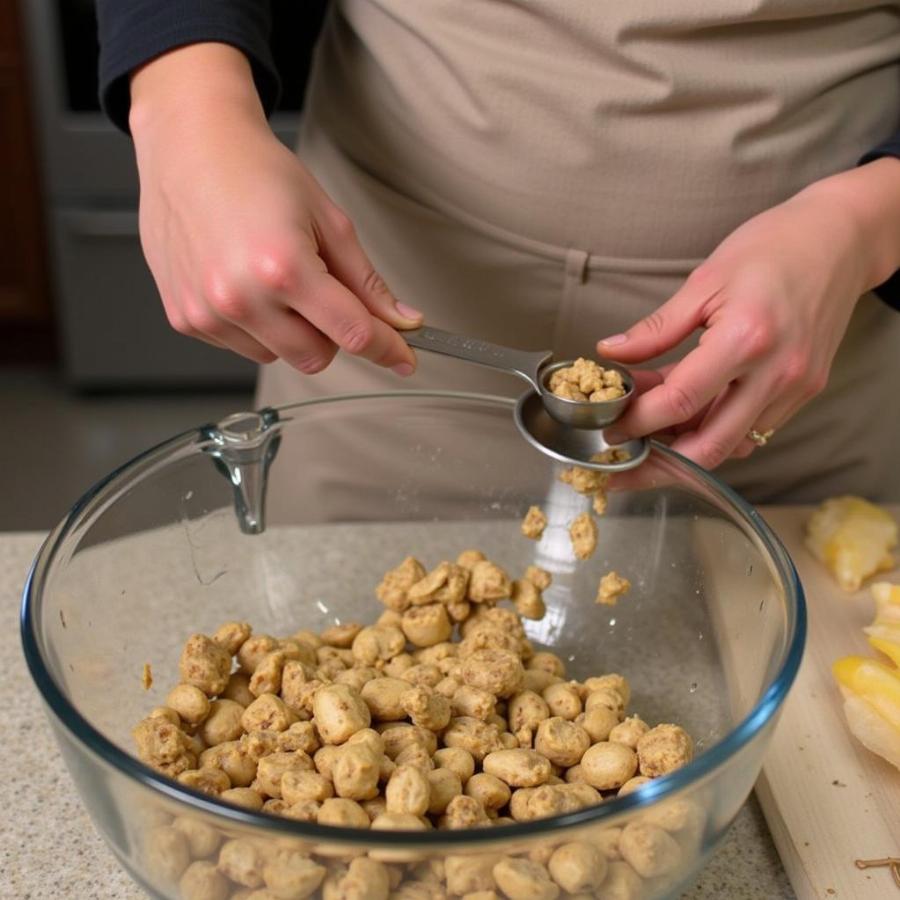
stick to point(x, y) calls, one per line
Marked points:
point(25, 309)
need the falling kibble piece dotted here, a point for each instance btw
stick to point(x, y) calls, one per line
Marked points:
point(612, 586)
point(147, 677)
point(583, 533)
point(534, 523)
point(585, 481)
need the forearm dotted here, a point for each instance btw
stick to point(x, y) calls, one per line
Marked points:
point(206, 85)
point(870, 196)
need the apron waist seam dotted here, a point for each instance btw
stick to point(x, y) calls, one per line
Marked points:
point(556, 252)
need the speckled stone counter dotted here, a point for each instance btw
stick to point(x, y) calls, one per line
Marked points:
point(48, 846)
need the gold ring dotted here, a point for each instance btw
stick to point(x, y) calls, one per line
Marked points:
point(760, 438)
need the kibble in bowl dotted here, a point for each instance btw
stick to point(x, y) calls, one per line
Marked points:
point(315, 730)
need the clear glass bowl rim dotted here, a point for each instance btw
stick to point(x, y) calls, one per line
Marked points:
point(704, 765)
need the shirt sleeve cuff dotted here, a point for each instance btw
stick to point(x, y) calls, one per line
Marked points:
point(134, 34)
point(889, 291)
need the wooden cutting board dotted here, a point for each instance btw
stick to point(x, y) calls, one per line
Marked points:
point(827, 799)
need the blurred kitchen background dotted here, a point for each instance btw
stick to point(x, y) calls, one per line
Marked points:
point(90, 372)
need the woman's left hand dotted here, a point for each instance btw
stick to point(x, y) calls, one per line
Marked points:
point(774, 301)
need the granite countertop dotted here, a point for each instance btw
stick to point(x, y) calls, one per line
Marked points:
point(49, 848)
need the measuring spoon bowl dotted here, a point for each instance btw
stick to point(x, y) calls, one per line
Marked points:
point(566, 430)
point(584, 413)
point(571, 445)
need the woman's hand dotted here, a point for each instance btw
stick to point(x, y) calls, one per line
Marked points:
point(774, 301)
point(247, 250)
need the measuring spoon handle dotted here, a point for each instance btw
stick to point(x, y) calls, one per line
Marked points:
point(524, 363)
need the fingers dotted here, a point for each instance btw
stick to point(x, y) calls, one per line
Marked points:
point(227, 315)
point(287, 303)
point(664, 328)
point(300, 281)
point(198, 321)
point(794, 381)
point(688, 387)
point(770, 419)
point(291, 338)
point(721, 429)
point(347, 261)
point(724, 429)
point(337, 313)
point(645, 379)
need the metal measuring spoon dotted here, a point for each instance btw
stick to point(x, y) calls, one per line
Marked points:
point(569, 431)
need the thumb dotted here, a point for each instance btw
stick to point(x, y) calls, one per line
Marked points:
point(662, 330)
point(350, 264)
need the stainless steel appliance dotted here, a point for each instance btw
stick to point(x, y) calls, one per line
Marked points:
point(113, 331)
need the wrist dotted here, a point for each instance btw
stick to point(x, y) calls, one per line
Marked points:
point(868, 199)
point(199, 86)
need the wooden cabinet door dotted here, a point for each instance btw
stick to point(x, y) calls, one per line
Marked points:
point(24, 298)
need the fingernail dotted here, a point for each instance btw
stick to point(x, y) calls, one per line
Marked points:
point(408, 312)
point(615, 340)
point(614, 437)
point(403, 369)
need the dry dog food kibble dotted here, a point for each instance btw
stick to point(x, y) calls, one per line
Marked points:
point(590, 482)
point(440, 714)
point(583, 533)
point(534, 523)
point(612, 586)
point(664, 749)
point(585, 481)
point(587, 380)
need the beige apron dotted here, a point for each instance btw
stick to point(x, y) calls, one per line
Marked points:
point(545, 173)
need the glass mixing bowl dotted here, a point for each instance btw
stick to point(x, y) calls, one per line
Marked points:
point(288, 518)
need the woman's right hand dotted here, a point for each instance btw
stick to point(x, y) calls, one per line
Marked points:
point(247, 250)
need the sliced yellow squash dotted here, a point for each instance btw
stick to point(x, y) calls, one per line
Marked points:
point(853, 538)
